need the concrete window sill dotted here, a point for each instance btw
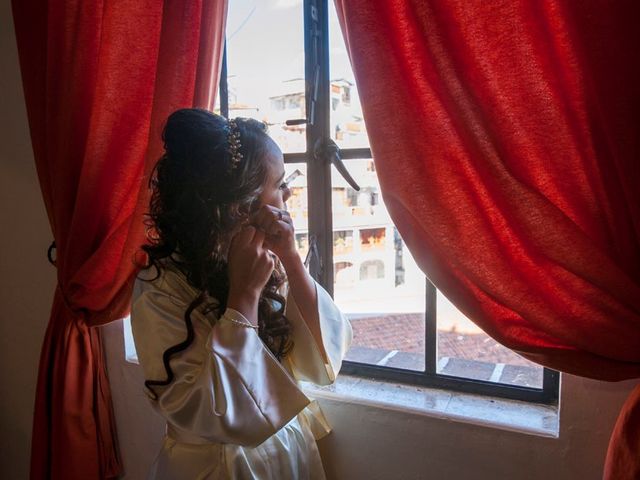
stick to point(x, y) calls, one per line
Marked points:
point(511, 415)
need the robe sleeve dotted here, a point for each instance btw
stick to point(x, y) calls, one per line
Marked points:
point(305, 360)
point(228, 387)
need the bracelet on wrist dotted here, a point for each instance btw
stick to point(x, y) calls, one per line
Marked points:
point(240, 323)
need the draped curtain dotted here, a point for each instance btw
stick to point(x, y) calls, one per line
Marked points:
point(506, 136)
point(100, 78)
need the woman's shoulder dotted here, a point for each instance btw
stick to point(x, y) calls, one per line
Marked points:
point(164, 280)
point(160, 298)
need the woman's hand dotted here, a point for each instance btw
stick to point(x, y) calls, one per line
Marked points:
point(250, 266)
point(279, 232)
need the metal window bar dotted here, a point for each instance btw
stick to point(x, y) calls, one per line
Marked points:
point(316, 27)
point(224, 84)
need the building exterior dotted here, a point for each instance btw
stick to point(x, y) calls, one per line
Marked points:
point(368, 252)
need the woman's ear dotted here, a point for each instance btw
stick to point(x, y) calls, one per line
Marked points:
point(255, 206)
point(245, 210)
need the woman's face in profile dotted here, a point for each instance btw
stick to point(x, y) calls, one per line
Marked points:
point(275, 192)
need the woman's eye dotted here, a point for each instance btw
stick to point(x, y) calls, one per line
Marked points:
point(284, 185)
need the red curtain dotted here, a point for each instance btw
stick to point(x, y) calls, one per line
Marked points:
point(506, 135)
point(100, 78)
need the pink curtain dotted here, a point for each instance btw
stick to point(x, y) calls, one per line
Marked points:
point(100, 78)
point(506, 135)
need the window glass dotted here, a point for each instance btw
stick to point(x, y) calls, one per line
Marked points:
point(265, 67)
point(347, 122)
point(297, 205)
point(464, 350)
point(376, 282)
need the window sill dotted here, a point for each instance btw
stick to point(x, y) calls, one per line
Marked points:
point(510, 415)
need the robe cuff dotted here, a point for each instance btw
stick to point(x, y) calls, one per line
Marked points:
point(275, 393)
point(305, 359)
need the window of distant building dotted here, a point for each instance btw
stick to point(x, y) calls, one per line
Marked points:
point(343, 273)
point(372, 270)
point(372, 238)
point(300, 83)
point(342, 242)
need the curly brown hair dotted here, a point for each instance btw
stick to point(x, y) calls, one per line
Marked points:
point(198, 200)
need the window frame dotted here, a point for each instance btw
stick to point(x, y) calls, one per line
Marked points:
point(320, 222)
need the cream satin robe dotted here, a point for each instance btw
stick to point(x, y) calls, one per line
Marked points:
point(233, 411)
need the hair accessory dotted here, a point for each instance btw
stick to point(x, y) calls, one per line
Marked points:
point(233, 140)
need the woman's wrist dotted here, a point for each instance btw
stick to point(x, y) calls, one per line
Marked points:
point(246, 302)
point(295, 270)
point(292, 262)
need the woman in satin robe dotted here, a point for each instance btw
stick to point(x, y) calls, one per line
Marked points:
point(225, 317)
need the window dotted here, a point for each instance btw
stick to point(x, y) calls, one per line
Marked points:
point(301, 84)
point(372, 270)
point(372, 239)
point(342, 242)
point(343, 273)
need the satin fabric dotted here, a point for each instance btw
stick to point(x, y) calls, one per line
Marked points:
point(233, 411)
point(100, 78)
point(506, 139)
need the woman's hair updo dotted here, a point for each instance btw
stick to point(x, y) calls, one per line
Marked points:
point(199, 196)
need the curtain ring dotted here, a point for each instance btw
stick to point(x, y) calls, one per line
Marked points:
point(50, 250)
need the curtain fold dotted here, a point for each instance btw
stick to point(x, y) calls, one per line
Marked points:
point(506, 136)
point(100, 78)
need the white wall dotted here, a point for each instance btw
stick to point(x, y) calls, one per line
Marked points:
point(366, 443)
point(375, 444)
point(28, 281)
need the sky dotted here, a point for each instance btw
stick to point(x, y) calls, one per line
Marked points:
point(265, 46)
